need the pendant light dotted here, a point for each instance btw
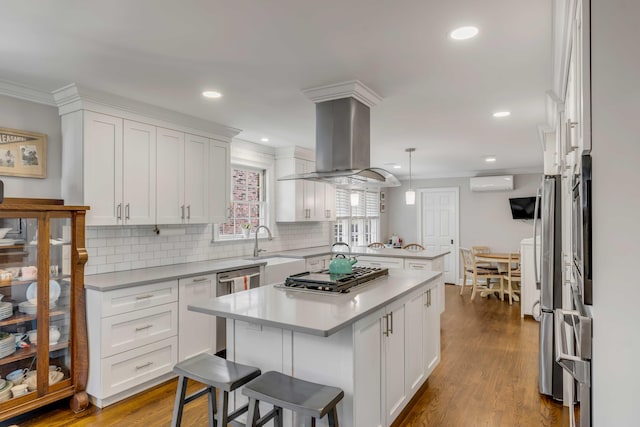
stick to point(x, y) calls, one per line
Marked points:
point(410, 194)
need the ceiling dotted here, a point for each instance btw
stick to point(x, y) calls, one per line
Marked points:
point(438, 94)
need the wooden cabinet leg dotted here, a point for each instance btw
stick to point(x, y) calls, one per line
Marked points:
point(79, 402)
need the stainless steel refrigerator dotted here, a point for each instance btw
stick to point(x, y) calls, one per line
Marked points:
point(550, 283)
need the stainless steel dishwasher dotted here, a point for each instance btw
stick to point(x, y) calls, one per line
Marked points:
point(224, 286)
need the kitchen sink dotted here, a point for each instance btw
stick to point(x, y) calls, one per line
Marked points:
point(279, 268)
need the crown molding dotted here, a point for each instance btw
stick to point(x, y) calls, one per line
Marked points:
point(74, 97)
point(17, 90)
point(351, 89)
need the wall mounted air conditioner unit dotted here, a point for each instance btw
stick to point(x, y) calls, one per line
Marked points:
point(491, 183)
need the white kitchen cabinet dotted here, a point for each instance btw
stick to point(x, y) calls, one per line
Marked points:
point(196, 179)
point(170, 166)
point(301, 200)
point(219, 181)
point(196, 331)
point(396, 349)
point(379, 262)
point(182, 178)
point(329, 202)
point(431, 265)
point(102, 163)
point(133, 341)
point(414, 345)
point(369, 380)
point(119, 170)
point(138, 173)
point(430, 331)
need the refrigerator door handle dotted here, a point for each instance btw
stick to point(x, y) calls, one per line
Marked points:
point(535, 238)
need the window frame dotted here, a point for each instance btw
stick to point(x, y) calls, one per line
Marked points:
point(344, 225)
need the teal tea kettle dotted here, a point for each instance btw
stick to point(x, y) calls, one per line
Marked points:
point(340, 264)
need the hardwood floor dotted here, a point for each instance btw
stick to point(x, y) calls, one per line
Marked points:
point(487, 377)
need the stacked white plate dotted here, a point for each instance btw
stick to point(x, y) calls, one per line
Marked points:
point(29, 308)
point(5, 391)
point(7, 344)
point(6, 310)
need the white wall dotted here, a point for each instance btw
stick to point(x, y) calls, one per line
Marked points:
point(485, 218)
point(30, 116)
point(616, 228)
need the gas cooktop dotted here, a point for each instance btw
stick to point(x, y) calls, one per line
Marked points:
point(327, 282)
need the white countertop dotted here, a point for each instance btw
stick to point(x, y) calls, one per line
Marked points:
point(310, 312)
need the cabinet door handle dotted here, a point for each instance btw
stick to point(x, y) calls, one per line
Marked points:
point(126, 212)
point(119, 212)
point(144, 296)
point(182, 210)
point(146, 365)
point(386, 325)
point(142, 328)
point(188, 211)
point(199, 279)
point(417, 267)
point(391, 328)
point(429, 297)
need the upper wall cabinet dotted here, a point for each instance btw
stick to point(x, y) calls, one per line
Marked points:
point(219, 181)
point(301, 200)
point(136, 169)
point(119, 170)
point(183, 184)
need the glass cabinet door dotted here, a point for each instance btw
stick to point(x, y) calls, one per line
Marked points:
point(59, 300)
point(35, 315)
point(18, 307)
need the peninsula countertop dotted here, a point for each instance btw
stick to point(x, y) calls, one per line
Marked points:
point(362, 250)
point(313, 313)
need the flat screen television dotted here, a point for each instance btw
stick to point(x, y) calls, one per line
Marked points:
point(523, 207)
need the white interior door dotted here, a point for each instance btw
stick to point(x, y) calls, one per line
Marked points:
point(439, 225)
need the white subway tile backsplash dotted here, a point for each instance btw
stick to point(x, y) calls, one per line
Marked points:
point(132, 247)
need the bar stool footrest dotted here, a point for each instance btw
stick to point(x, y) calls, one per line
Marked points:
point(196, 395)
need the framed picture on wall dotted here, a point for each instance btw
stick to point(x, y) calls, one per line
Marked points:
point(23, 153)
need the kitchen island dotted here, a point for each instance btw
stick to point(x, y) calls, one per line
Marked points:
point(379, 342)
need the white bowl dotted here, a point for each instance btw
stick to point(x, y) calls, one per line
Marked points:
point(3, 232)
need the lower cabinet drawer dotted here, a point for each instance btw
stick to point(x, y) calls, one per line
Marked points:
point(128, 369)
point(137, 297)
point(379, 262)
point(137, 328)
point(412, 264)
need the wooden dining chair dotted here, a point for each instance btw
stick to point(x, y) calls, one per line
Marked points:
point(376, 245)
point(512, 277)
point(479, 273)
point(413, 247)
point(475, 250)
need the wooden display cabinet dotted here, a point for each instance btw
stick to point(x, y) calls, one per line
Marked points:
point(44, 253)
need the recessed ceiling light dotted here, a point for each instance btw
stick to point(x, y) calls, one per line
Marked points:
point(490, 159)
point(500, 114)
point(264, 139)
point(397, 167)
point(464, 33)
point(211, 94)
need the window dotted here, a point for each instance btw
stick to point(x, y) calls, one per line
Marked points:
point(357, 224)
point(248, 202)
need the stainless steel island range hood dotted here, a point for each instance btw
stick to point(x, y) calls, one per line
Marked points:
point(343, 138)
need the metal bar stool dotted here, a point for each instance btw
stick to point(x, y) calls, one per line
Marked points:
point(214, 372)
point(312, 401)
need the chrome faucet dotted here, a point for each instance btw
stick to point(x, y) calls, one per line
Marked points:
point(257, 251)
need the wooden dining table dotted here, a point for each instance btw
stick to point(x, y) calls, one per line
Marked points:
point(502, 262)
